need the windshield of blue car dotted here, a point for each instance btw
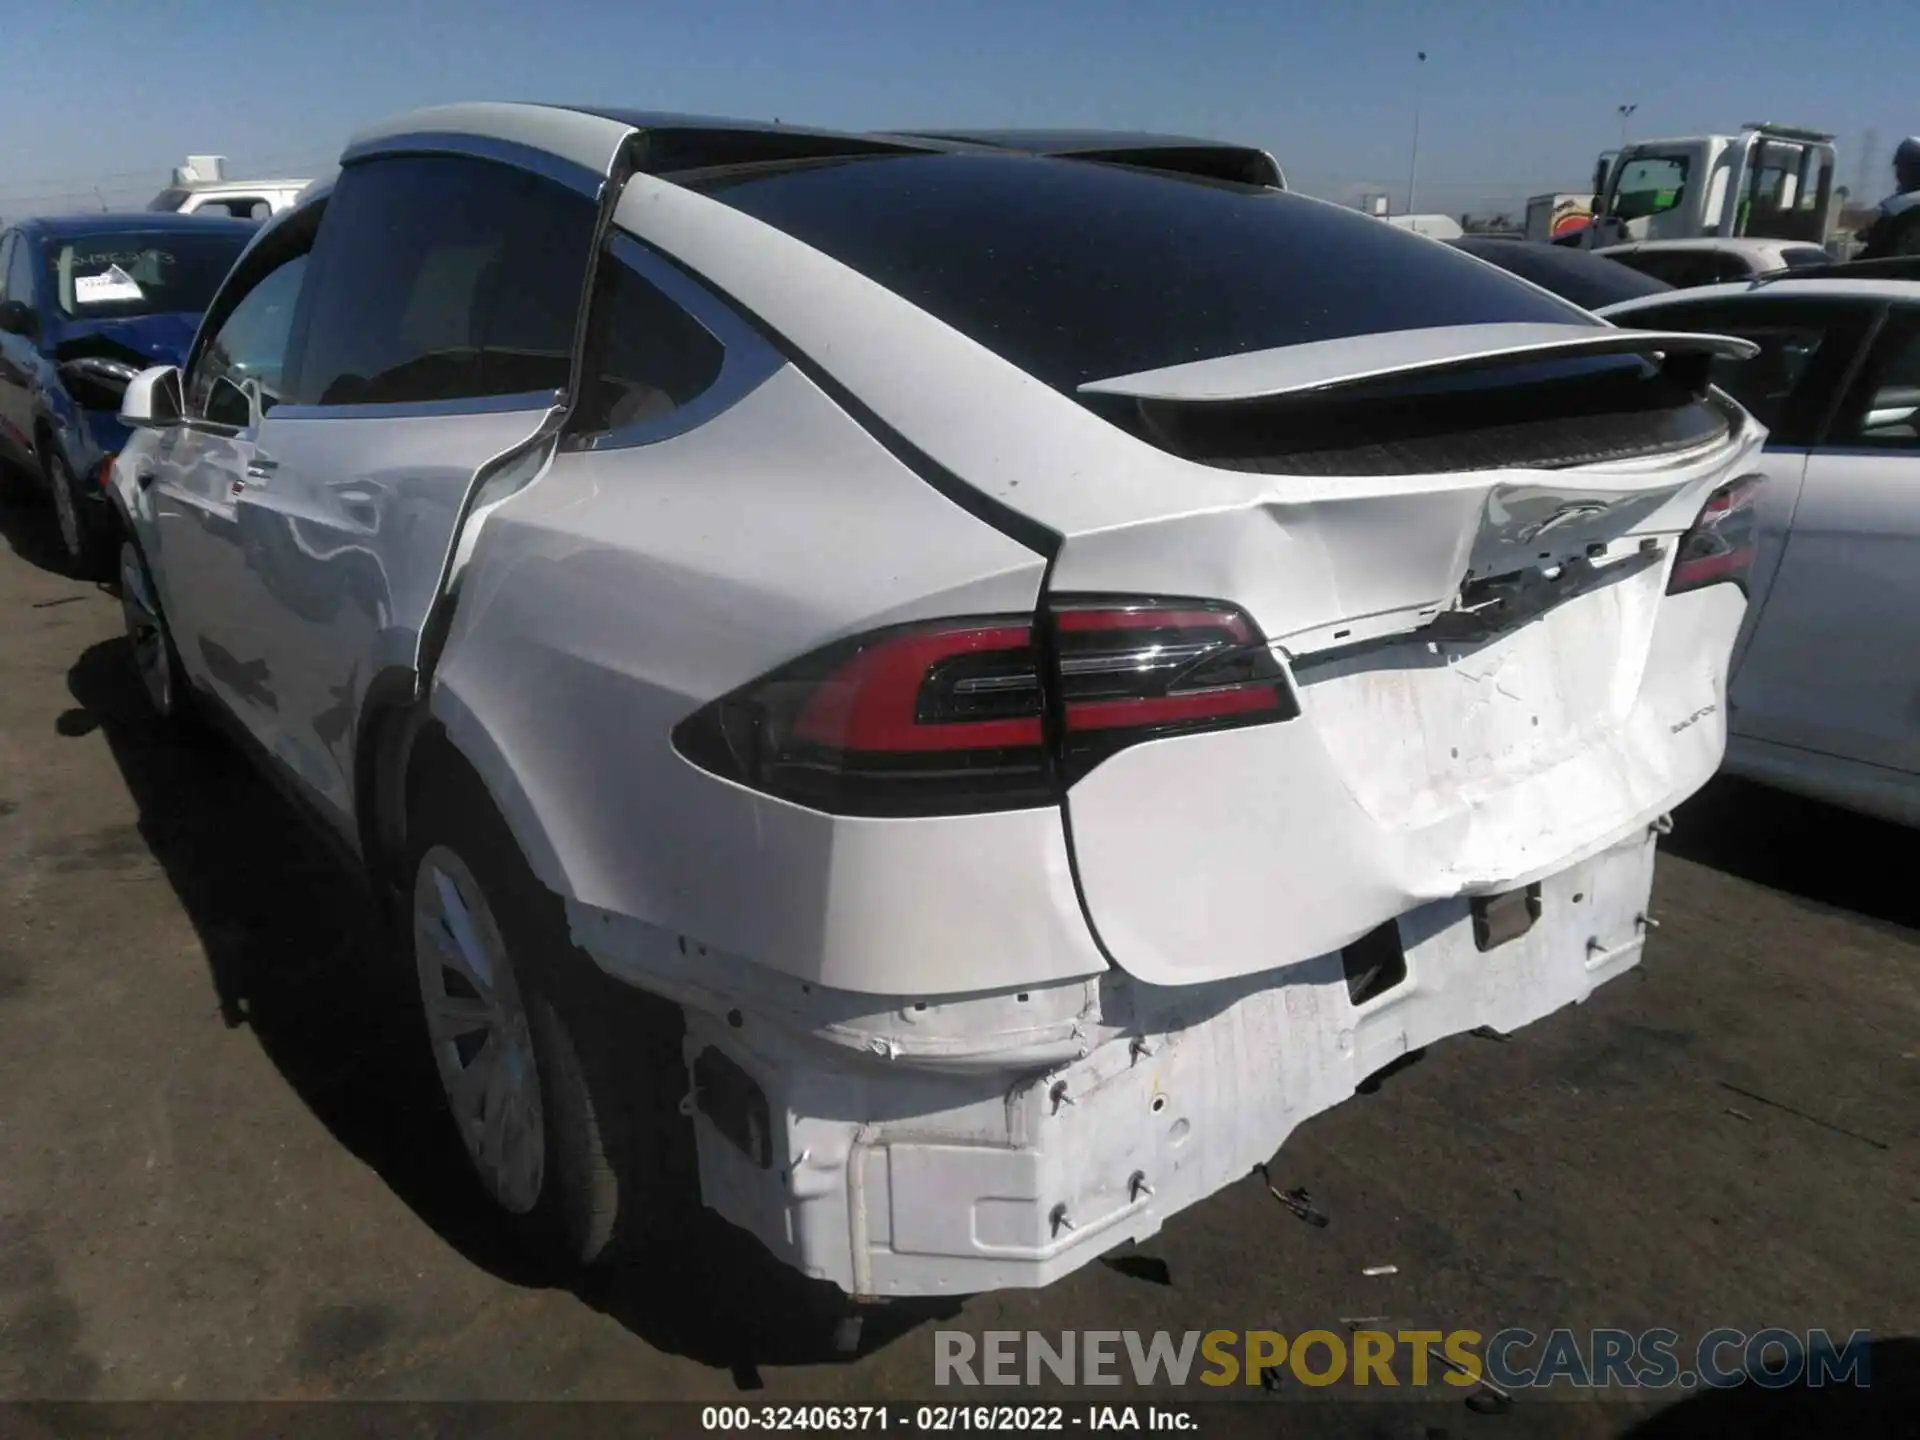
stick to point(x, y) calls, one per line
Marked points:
point(1077, 271)
point(124, 274)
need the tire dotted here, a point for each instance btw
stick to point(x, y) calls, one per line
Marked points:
point(81, 540)
point(156, 662)
point(591, 1158)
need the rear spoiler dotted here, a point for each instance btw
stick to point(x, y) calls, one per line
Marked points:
point(1322, 365)
point(1176, 154)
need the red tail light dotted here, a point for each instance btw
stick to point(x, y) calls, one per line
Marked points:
point(1721, 543)
point(989, 713)
point(106, 472)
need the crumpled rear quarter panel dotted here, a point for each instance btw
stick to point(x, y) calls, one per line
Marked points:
point(628, 587)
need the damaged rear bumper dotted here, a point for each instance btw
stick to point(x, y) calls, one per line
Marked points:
point(895, 1172)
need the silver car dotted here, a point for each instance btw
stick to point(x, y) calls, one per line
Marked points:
point(1826, 680)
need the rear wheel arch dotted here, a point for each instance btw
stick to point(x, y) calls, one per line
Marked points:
point(402, 744)
point(620, 1167)
point(391, 721)
point(45, 441)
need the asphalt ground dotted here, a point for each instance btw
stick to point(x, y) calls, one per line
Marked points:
point(225, 1173)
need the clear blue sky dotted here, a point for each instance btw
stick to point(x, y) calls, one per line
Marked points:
point(1517, 96)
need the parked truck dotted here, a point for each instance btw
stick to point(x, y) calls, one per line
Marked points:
point(202, 185)
point(1553, 217)
point(1772, 182)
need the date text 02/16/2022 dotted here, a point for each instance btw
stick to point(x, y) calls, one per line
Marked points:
point(939, 1419)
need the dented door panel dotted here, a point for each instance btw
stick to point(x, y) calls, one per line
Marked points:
point(202, 571)
point(346, 544)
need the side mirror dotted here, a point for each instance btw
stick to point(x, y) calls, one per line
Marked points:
point(17, 318)
point(153, 398)
point(233, 403)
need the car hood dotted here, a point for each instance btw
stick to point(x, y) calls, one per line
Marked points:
point(139, 340)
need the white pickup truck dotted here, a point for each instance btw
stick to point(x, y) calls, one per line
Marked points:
point(201, 185)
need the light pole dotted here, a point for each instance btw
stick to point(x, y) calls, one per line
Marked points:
point(1413, 164)
point(1626, 113)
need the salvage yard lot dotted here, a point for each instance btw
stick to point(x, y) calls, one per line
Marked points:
point(223, 1171)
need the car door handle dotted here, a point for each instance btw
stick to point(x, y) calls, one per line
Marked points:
point(260, 467)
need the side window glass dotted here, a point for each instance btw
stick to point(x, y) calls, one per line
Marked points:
point(1883, 413)
point(6, 250)
point(443, 278)
point(1806, 346)
point(20, 284)
point(1681, 271)
point(241, 207)
point(646, 356)
point(240, 368)
point(1700, 270)
point(1766, 382)
point(1650, 185)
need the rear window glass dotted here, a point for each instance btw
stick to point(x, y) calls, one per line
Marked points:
point(1078, 271)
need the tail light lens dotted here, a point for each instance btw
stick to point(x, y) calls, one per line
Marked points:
point(106, 472)
point(988, 713)
point(1721, 543)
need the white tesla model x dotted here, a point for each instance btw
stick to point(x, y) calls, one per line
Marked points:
point(940, 693)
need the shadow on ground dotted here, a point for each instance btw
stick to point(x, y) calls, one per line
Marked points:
point(1816, 851)
point(27, 524)
point(296, 954)
point(1886, 1406)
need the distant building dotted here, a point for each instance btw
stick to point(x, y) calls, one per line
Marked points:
point(1440, 227)
point(1436, 227)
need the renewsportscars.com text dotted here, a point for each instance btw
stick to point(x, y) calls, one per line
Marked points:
point(1511, 1359)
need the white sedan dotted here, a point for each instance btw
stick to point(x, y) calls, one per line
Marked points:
point(940, 695)
point(1826, 679)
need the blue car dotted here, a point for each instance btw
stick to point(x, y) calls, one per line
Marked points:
point(86, 303)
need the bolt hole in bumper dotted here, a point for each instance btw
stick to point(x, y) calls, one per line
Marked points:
point(892, 1180)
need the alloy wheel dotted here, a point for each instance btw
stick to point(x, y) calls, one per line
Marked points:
point(478, 1026)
